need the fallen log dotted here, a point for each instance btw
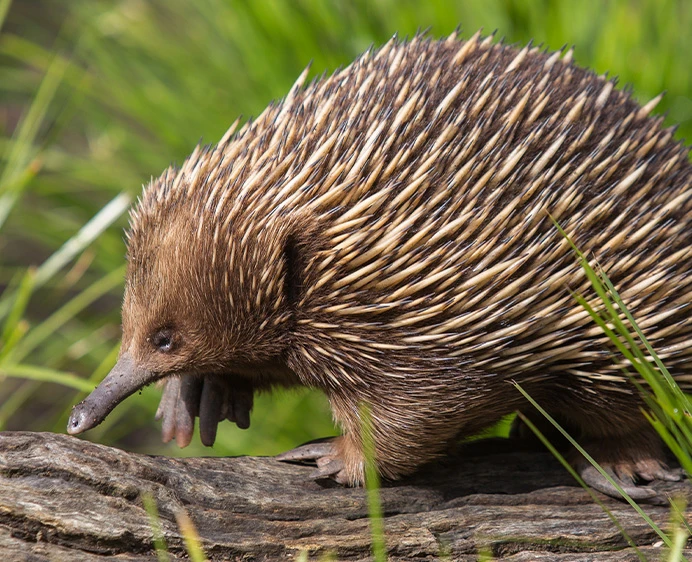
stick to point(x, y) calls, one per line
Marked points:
point(66, 499)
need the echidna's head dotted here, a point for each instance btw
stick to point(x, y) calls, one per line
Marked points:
point(199, 299)
point(172, 310)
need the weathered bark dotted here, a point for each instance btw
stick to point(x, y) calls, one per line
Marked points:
point(62, 498)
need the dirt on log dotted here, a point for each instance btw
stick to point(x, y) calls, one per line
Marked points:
point(65, 499)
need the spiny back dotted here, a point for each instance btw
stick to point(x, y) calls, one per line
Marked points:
point(428, 170)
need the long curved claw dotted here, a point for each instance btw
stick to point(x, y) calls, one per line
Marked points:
point(211, 406)
point(334, 469)
point(187, 409)
point(166, 409)
point(659, 472)
point(326, 454)
point(598, 482)
point(239, 405)
point(312, 451)
point(212, 398)
point(630, 463)
point(178, 407)
point(168, 398)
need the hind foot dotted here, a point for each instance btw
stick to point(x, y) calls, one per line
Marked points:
point(626, 475)
point(334, 460)
point(211, 398)
point(628, 462)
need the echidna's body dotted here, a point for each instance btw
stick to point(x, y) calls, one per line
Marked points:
point(384, 235)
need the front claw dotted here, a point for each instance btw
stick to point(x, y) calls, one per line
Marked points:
point(178, 408)
point(327, 456)
point(213, 398)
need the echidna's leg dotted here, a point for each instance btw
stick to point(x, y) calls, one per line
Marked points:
point(213, 398)
point(405, 437)
point(627, 459)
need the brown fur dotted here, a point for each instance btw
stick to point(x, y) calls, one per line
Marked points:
point(383, 235)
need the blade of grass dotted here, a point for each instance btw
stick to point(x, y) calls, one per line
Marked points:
point(372, 485)
point(69, 310)
point(4, 8)
point(84, 237)
point(33, 372)
point(681, 529)
point(672, 443)
point(631, 351)
point(190, 536)
point(112, 211)
point(22, 152)
point(11, 332)
point(683, 399)
point(611, 334)
point(670, 408)
point(16, 400)
point(155, 522)
point(679, 507)
point(604, 298)
point(604, 289)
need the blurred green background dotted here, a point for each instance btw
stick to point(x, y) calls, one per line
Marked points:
point(97, 96)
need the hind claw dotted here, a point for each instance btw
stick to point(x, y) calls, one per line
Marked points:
point(598, 482)
point(626, 473)
point(662, 473)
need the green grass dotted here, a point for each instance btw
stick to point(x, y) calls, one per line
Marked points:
point(99, 96)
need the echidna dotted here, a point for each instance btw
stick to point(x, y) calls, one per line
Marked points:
point(384, 234)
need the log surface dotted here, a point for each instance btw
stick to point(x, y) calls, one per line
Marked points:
point(65, 499)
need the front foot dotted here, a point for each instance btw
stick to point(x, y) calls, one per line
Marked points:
point(212, 398)
point(629, 466)
point(332, 457)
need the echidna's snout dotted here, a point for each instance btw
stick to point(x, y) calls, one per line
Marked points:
point(124, 379)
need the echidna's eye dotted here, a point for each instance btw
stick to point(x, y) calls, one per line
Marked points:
point(163, 340)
